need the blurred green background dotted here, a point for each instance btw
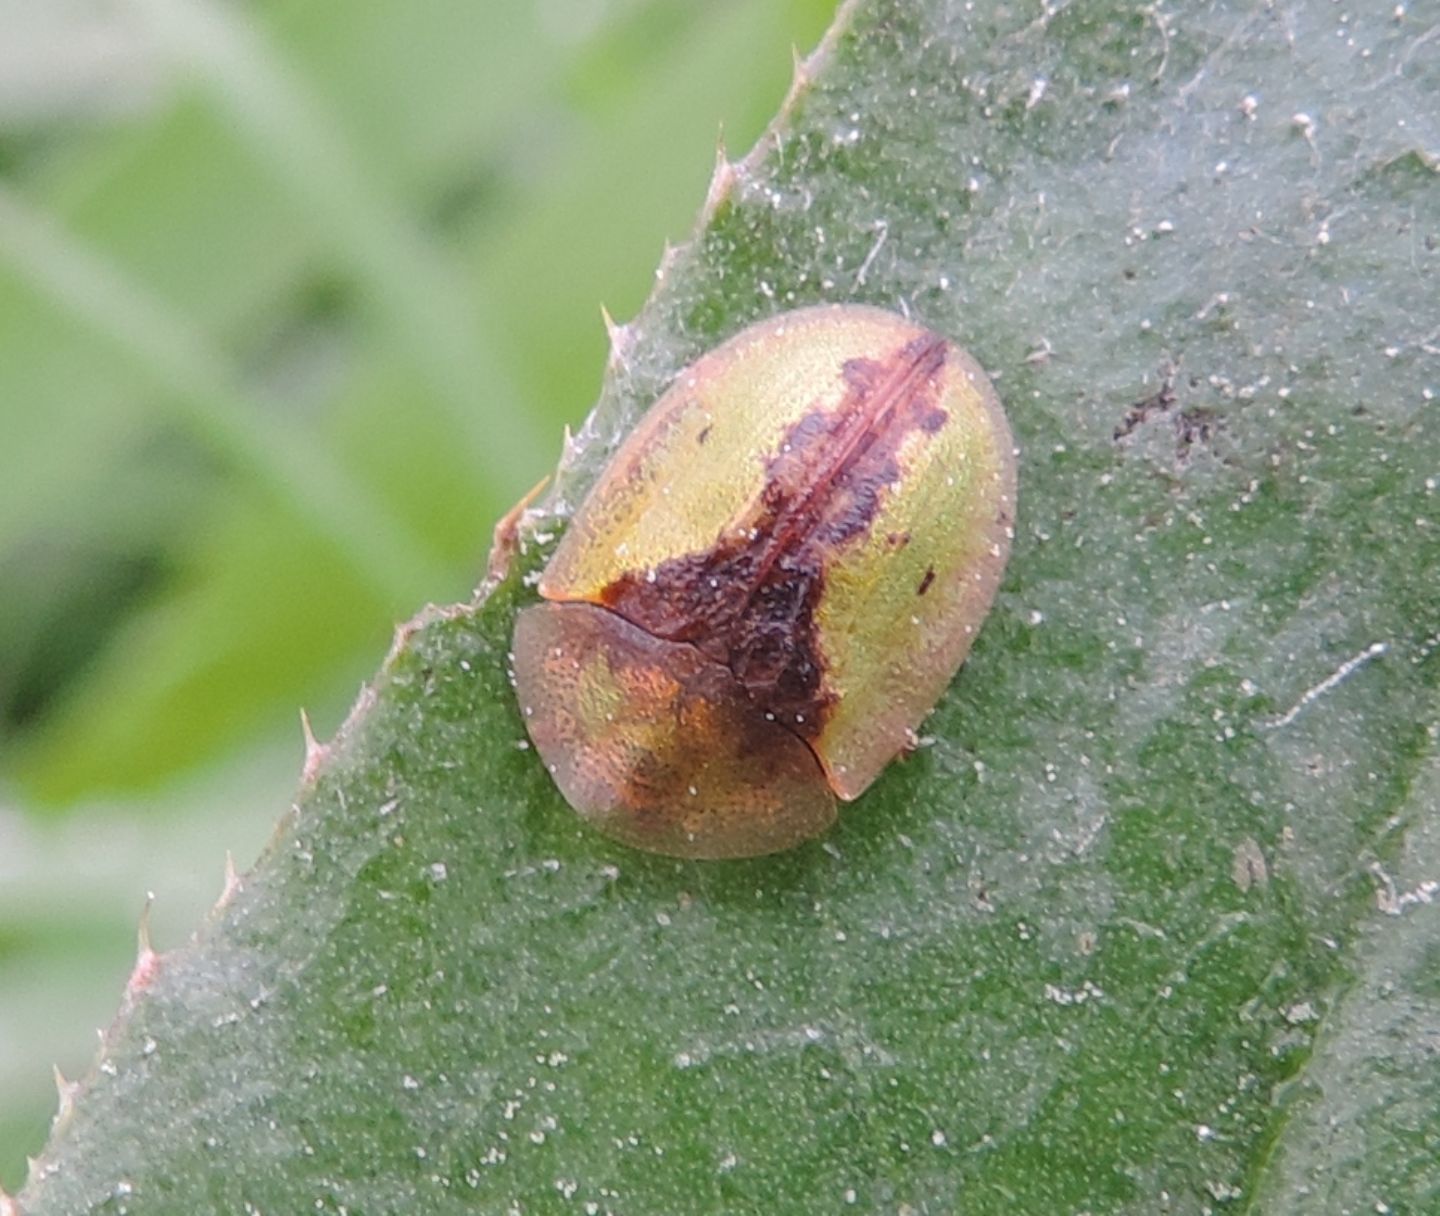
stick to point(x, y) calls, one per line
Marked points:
point(295, 300)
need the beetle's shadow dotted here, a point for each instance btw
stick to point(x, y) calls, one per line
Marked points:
point(858, 848)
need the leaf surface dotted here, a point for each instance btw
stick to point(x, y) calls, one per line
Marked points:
point(1150, 926)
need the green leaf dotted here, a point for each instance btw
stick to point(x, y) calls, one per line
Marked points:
point(1152, 925)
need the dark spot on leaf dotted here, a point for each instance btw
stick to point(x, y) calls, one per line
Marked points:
point(926, 581)
point(1192, 426)
point(703, 435)
point(1158, 402)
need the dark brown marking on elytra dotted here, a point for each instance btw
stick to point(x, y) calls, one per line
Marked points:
point(655, 782)
point(704, 435)
point(933, 421)
point(926, 581)
point(749, 601)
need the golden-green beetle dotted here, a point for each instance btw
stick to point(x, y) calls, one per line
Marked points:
point(770, 585)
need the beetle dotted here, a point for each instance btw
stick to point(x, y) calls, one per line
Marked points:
point(770, 584)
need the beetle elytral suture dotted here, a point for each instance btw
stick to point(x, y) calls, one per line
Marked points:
point(770, 584)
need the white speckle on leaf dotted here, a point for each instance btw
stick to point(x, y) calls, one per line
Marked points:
point(1314, 693)
point(1073, 996)
point(1392, 901)
point(882, 230)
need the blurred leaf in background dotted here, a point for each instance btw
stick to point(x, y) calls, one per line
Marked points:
point(281, 287)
